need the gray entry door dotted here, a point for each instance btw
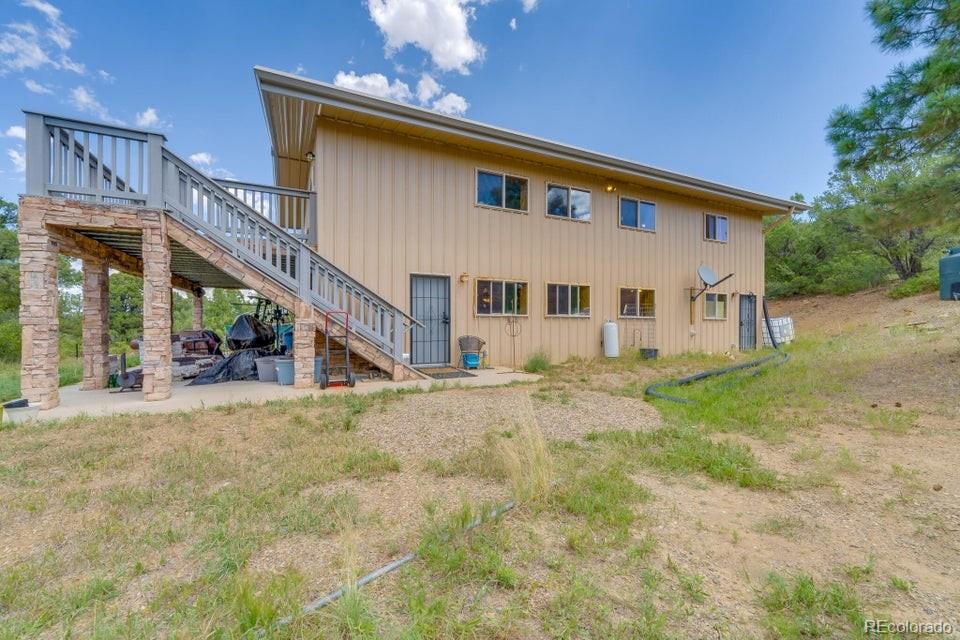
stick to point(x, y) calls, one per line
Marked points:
point(430, 304)
point(748, 322)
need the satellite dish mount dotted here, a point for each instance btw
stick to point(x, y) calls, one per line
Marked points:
point(708, 280)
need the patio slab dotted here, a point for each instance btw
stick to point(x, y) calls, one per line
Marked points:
point(102, 402)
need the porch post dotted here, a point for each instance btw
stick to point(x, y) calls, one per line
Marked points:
point(96, 322)
point(197, 298)
point(304, 346)
point(157, 357)
point(39, 321)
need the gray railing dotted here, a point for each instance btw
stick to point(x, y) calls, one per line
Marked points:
point(290, 209)
point(76, 159)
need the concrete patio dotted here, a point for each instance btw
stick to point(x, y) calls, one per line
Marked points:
point(101, 402)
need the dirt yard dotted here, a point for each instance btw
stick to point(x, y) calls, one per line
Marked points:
point(797, 503)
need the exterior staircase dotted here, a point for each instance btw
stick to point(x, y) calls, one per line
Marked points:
point(259, 234)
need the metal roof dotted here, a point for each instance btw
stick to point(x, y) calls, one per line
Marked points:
point(291, 104)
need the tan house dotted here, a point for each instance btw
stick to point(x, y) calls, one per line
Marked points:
point(424, 227)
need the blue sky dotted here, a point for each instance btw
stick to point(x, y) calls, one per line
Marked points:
point(737, 92)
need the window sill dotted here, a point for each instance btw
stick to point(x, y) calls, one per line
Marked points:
point(500, 315)
point(566, 219)
point(505, 209)
point(636, 317)
point(566, 317)
point(715, 319)
point(640, 229)
point(715, 241)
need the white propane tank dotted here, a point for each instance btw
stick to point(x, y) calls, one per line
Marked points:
point(610, 337)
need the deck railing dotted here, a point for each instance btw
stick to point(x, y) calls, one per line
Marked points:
point(289, 209)
point(264, 226)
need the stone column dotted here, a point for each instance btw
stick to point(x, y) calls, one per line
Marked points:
point(96, 322)
point(157, 357)
point(304, 348)
point(198, 310)
point(39, 322)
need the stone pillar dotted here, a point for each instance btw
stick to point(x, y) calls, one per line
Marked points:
point(304, 348)
point(198, 310)
point(157, 357)
point(39, 322)
point(96, 322)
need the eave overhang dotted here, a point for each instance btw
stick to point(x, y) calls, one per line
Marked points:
point(291, 105)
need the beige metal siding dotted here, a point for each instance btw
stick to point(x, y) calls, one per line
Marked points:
point(390, 206)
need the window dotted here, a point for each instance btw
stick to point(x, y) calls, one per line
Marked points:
point(637, 214)
point(567, 202)
point(500, 298)
point(568, 300)
point(715, 227)
point(501, 190)
point(715, 306)
point(637, 303)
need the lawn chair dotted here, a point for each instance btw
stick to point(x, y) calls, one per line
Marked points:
point(470, 348)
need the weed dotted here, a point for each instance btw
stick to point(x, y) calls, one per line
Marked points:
point(527, 461)
point(369, 463)
point(537, 362)
point(643, 549)
point(900, 584)
point(798, 609)
point(686, 449)
point(857, 573)
point(603, 497)
point(785, 527)
point(898, 421)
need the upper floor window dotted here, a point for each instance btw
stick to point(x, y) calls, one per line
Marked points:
point(715, 306)
point(637, 303)
point(715, 227)
point(499, 297)
point(568, 300)
point(502, 190)
point(637, 214)
point(567, 202)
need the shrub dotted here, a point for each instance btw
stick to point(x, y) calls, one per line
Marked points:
point(928, 280)
point(538, 362)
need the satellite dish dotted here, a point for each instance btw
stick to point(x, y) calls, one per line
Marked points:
point(709, 279)
point(707, 275)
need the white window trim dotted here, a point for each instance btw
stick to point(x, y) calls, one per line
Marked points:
point(715, 215)
point(476, 285)
point(546, 300)
point(503, 190)
point(639, 201)
point(568, 218)
point(620, 310)
point(726, 307)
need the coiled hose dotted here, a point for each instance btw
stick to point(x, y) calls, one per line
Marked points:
point(777, 358)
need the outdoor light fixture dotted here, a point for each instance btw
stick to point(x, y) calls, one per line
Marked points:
point(310, 156)
point(464, 277)
point(610, 188)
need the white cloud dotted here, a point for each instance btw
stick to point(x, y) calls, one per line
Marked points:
point(207, 163)
point(84, 100)
point(451, 104)
point(23, 46)
point(529, 5)
point(106, 76)
point(299, 70)
point(18, 158)
point(202, 158)
point(16, 131)
point(375, 84)
point(427, 88)
point(513, 24)
point(36, 87)
point(149, 118)
point(439, 27)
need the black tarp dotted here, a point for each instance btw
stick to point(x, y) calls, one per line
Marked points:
point(248, 332)
point(239, 365)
